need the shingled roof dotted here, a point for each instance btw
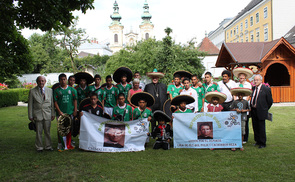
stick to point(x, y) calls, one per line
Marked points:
point(207, 46)
point(290, 36)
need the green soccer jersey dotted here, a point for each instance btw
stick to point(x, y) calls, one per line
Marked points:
point(65, 98)
point(81, 94)
point(185, 111)
point(99, 92)
point(137, 113)
point(173, 90)
point(210, 88)
point(201, 94)
point(110, 96)
point(124, 90)
point(120, 111)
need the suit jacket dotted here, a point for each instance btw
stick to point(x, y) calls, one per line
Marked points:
point(38, 108)
point(264, 101)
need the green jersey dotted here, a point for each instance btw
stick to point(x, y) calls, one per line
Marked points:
point(65, 99)
point(210, 88)
point(118, 110)
point(137, 113)
point(201, 94)
point(110, 96)
point(99, 91)
point(185, 111)
point(173, 90)
point(124, 90)
point(81, 94)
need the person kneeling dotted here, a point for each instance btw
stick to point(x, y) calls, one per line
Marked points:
point(162, 131)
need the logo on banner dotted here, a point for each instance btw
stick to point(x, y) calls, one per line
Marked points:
point(141, 127)
point(232, 120)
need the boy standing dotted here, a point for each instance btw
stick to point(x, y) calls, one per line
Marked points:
point(110, 96)
point(191, 92)
point(97, 88)
point(123, 111)
point(209, 86)
point(215, 99)
point(197, 85)
point(174, 89)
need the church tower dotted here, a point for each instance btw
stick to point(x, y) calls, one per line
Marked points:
point(116, 30)
point(146, 26)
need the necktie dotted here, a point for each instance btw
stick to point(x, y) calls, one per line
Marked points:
point(42, 93)
point(255, 97)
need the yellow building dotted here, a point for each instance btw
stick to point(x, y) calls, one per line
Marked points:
point(261, 21)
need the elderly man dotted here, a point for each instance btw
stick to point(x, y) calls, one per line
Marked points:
point(260, 104)
point(41, 111)
point(225, 85)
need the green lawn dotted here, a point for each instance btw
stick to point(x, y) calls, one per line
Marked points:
point(20, 162)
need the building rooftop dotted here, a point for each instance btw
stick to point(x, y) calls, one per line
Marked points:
point(207, 46)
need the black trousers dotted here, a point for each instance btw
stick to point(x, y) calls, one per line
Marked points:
point(258, 128)
point(161, 144)
point(246, 136)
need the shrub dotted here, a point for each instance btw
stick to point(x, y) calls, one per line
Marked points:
point(23, 94)
point(9, 97)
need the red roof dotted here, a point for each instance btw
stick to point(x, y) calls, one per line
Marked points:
point(208, 46)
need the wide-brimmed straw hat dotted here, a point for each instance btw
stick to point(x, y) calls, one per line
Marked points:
point(135, 98)
point(183, 73)
point(182, 98)
point(155, 73)
point(246, 91)
point(209, 95)
point(248, 72)
point(87, 101)
point(83, 75)
point(120, 71)
point(160, 115)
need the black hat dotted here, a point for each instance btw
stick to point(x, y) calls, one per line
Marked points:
point(121, 71)
point(107, 116)
point(183, 73)
point(135, 98)
point(160, 115)
point(83, 75)
point(87, 101)
point(168, 109)
point(182, 98)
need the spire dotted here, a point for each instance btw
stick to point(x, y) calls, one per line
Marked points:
point(206, 35)
point(116, 17)
point(146, 16)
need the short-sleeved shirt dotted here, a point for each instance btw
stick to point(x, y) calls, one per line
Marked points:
point(65, 98)
point(97, 110)
point(137, 113)
point(99, 91)
point(212, 108)
point(124, 90)
point(225, 88)
point(185, 111)
point(81, 94)
point(201, 95)
point(173, 90)
point(111, 96)
point(241, 104)
point(210, 88)
point(120, 111)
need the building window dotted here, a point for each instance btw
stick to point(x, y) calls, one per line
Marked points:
point(241, 27)
point(251, 21)
point(247, 39)
point(242, 40)
point(265, 33)
point(257, 36)
point(234, 31)
point(251, 36)
point(116, 38)
point(227, 35)
point(246, 23)
point(265, 12)
point(237, 29)
point(257, 17)
point(147, 36)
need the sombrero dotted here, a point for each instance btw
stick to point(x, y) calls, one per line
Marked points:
point(248, 72)
point(155, 73)
point(135, 98)
point(87, 101)
point(120, 71)
point(182, 98)
point(246, 91)
point(56, 85)
point(107, 116)
point(209, 95)
point(167, 107)
point(83, 75)
point(160, 115)
point(64, 123)
point(183, 73)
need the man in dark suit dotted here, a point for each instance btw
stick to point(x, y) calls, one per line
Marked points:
point(260, 104)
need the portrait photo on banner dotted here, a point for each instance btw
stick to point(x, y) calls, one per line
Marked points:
point(205, 130)
point(114, 135)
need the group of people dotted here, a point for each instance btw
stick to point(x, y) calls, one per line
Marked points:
point(131, 99)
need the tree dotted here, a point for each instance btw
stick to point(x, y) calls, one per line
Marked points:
point(17, 14)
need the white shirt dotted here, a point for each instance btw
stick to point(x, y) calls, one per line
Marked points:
point(194, 94)
point(223, 89)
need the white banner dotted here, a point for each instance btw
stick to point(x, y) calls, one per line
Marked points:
point(103, 135)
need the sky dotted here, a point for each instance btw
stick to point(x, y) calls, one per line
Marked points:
point(187, 18)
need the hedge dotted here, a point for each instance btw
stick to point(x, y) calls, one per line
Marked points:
point(10, 97)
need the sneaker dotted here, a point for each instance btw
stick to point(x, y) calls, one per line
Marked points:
point(233, 149)
point(73, 143)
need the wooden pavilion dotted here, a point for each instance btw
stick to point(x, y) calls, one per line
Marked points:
point(274, 61)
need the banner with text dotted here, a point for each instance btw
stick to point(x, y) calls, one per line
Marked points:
point(207, 130)
point(103, 135)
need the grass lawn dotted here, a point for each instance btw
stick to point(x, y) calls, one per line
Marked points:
point(20, 162)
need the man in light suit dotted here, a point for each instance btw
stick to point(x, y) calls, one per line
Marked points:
point(260, 104)
point(41, 111)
